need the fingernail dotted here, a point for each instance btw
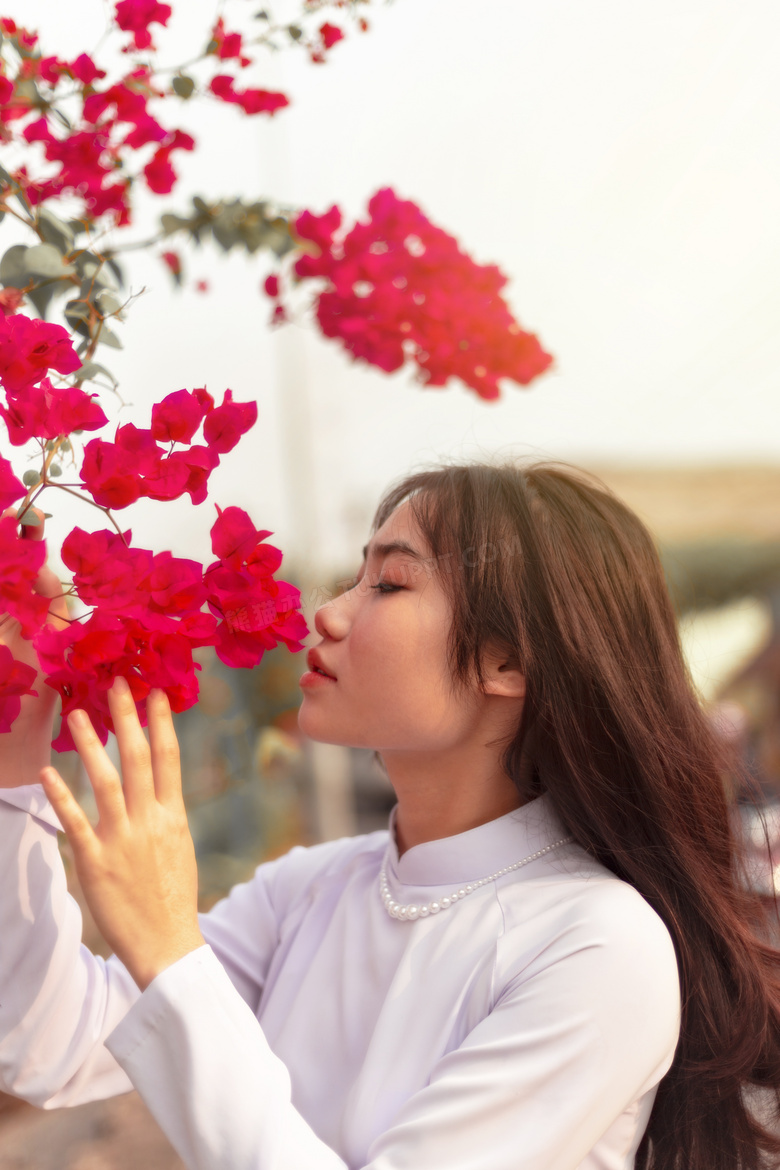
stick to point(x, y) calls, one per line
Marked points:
point(120, 686)
point(78, 718)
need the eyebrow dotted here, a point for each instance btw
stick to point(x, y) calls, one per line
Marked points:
point(395, 546)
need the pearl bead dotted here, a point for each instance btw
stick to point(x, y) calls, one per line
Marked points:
point(411, 913)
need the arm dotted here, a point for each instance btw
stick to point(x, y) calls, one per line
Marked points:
point(568, 1049)
point(58, 1002)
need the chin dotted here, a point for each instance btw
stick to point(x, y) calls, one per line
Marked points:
point(314, 727)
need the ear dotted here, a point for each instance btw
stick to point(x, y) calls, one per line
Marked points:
point(503, 676)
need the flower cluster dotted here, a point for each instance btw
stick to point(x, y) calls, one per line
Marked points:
point(147, 617)
point(93, 156)
point(135, 464)
point(135, 16)
point(254, 609)
point(397, 287)
point(251, 101)
point(146, 612)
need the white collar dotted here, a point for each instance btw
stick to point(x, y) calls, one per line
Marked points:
point(472, 855)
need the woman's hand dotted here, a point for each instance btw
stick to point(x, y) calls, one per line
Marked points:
point(137, 866)
point(26, 748)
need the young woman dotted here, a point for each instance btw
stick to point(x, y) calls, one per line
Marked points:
point(547, 963)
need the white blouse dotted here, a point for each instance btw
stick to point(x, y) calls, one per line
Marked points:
point(525, 1027)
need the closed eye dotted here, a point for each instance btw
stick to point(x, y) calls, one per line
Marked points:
point(386, 587)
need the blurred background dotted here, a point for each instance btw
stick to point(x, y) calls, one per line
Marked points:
point(621, 164)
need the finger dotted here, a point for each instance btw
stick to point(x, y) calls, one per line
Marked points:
point(102, 774)
point(75, 824)
point(134, 751)
point(166, 764)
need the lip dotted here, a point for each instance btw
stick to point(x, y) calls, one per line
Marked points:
point(317, 668)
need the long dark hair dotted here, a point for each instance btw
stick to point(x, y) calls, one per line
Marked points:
point(545, 563)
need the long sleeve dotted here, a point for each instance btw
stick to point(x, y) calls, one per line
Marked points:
point(58, 1001)
point(573, 1042)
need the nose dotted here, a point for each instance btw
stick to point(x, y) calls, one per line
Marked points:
point(332, 619)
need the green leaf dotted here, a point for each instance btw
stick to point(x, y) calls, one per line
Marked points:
point(54, 231)
point(183, 86)
point(43, 296)
point(90, 371)
point(108, 303)
point(173, 223)
point(109, 338)
point(12, 270)
point(93, 268)
point(29, 519)
point(55, 470)
point(116, 271)
point(46, 260)
point(77, 311)
point(30, 478)
point(295, 31)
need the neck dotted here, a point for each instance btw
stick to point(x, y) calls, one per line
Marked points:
point(442, 794)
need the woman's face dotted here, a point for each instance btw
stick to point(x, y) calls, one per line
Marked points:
point(384, 646)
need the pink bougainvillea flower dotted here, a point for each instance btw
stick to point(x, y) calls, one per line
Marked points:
point(135, 16)
point(112, 472)
point(10, 300)
point(135, 465)
point(177, 417)
point(27, 40)
point(251, 101)
point(398, 288)
point(87, 160)
point(227, 46)
point(84, 69)
point(175, 585)
point(172, 261)
point(159, 173)
point(234, 536)
point(29, 348)
point(21, 560)
point(330, 35)
point(46, 411)
point(256, 612)
point(200, 462)
point(107, 571)
point(16, 679)
point(225, 424)
point(11, 488)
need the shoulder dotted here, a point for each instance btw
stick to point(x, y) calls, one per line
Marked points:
point(574, 911)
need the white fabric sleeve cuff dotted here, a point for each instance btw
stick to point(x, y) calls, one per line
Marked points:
point(197, 1055)
point(32, 799)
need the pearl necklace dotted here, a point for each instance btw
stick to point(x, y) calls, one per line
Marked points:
point(410, 913)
